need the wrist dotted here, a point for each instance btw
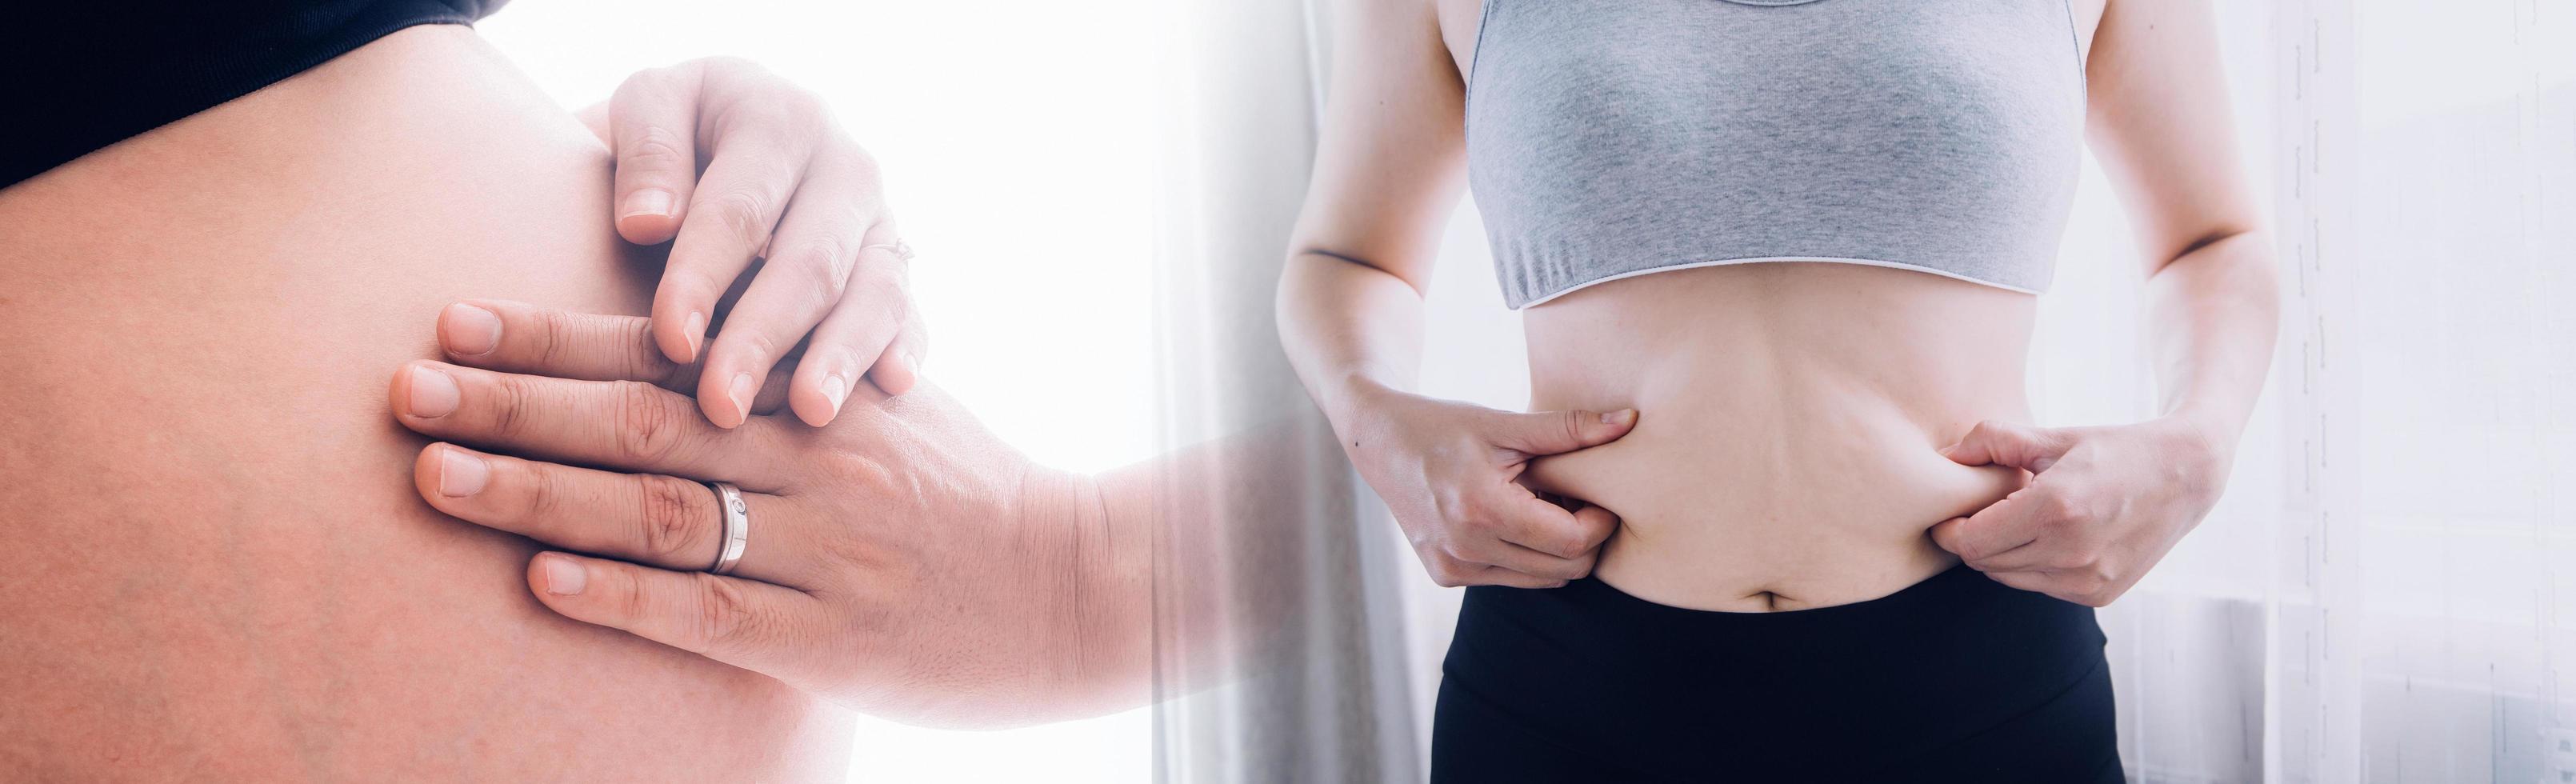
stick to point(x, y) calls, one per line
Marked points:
point(2206, 454)
point(1355, 401)
point(2211, 433)
point(1047, 499)
point(1106, 561)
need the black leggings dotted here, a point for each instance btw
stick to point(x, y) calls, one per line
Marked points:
point(1956, 678)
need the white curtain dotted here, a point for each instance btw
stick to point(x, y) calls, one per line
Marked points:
point(2379, 598)
point(2417, 609)
point(1308, 679)
point(2381, 595)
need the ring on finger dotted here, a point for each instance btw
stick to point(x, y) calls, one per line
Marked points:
point(737, 526)
point(901, 250)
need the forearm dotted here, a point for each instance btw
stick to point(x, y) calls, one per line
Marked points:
point(1194, 567)
point(1182, 565)
point(1102, 588)
point(1348, 328)
point(2214, 313)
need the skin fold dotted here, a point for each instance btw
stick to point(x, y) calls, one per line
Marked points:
point(226, 571)
point(1822, 421)
point(1804, 434)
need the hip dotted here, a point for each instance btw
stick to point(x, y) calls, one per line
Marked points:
point(1956, 674)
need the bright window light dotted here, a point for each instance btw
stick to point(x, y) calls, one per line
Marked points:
point(1015, 142)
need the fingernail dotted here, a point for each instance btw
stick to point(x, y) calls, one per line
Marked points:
point(563, 577)
point(460, 474)
point(470, 331)
point(1619, 417)
point(696, 331)
point(740, 393)
point(834, 389)
point(433, 394)
point(649, 201)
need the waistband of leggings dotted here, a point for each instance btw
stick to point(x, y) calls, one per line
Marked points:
point(1953, 590)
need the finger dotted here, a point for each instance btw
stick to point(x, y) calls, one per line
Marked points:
point(757, 164)
point(652, 128)
point(622, 425)
point(1532, 562)
point(898, 370)
point(804, 278)
point(1530, 522)
point(745, 623)
point(1997, 442)
point(1552, 432)
point(1496, 575)
point(651, 519)
point(2036, 555)
point(1595, 524)
point(515, 337)
point(2001, 526)
point(854, 340)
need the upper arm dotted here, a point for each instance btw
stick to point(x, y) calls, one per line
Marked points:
point(1391, 159)
point(2161, 126)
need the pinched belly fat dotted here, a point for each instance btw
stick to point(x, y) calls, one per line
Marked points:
point(1786, 453)
point(225, 572)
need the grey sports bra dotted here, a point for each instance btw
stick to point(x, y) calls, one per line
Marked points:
point(1614, 138)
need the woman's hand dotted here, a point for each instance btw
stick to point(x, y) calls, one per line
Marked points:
point(901, 561)
point(741, 166)
point(2104, 504)
point(1449, 472)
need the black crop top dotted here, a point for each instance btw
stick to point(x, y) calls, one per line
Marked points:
point(86, 74)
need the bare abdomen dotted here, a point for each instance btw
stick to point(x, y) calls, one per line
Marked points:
point(223, 571)
point(1790, 414)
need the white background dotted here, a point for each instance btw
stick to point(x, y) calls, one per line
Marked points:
point(1015, 139)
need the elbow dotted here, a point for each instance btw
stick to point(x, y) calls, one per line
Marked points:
point(1283, 299)
point(2222, 239)
point(1319, 260)
point(2215, 235)
point(2254, 264)
point(2236, 264)
point(1303, 279)
point(2245, 250)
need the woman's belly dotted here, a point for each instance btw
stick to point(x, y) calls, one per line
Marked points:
point(1789, 421)
point(223, 571)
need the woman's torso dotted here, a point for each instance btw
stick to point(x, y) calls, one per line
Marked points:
point(1791, 413)
point(1790, 416)
point(226, 571)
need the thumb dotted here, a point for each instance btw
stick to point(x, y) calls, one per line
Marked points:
point(1996, 442)
point(652, 127)
point(1551, 432)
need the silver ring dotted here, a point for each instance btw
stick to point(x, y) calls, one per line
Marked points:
point(901, 250)
point(737, 526)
